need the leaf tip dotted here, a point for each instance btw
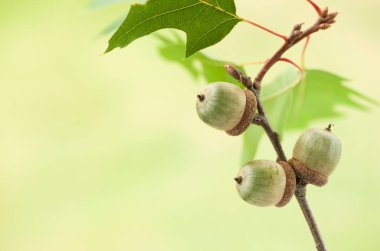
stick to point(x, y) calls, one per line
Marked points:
point(109, 48)
point(188, 53)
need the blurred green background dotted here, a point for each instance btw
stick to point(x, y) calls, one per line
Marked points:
point(105, 152)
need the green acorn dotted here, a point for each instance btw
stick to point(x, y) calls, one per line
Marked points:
point(266, 183)
point(226, 107)
point(316, 155)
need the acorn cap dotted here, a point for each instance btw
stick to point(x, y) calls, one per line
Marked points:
point(264, 183)
point(307, 175)
point(291, 184)
point(249, 113)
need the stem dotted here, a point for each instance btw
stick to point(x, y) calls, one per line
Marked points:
point(324, 21)
point(292, 63)
point(304, 52)
point(266, 29)
point(302, 201)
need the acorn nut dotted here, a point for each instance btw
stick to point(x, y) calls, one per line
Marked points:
point(266, 183)
point(226, 107)
point(316, 155)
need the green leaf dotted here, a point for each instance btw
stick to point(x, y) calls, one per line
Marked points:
point(199, 66)
point(251, 141)
point(322, 95)
point(318, 96)
point(206, 22)
point(283, 83)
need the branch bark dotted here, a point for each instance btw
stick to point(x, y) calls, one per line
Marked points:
point(324, 22)
point(302, 201)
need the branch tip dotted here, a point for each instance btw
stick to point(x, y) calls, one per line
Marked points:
point(333, 15)
point(238, 75)
point(298, 26)
point(325, 12)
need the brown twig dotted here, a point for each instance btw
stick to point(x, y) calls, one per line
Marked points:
point(302, 201)
point(324, 22)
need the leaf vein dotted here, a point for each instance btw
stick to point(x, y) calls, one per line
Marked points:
point(158, 15)
point(216, 27)
point(195, 16)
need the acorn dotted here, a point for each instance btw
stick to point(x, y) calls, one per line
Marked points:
point(266, 183)
point(226, 107)
point(316, 155)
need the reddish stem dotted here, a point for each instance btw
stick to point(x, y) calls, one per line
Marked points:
point(292, 63)
point(304, 52)
point(285, 38)
point(316, 7)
